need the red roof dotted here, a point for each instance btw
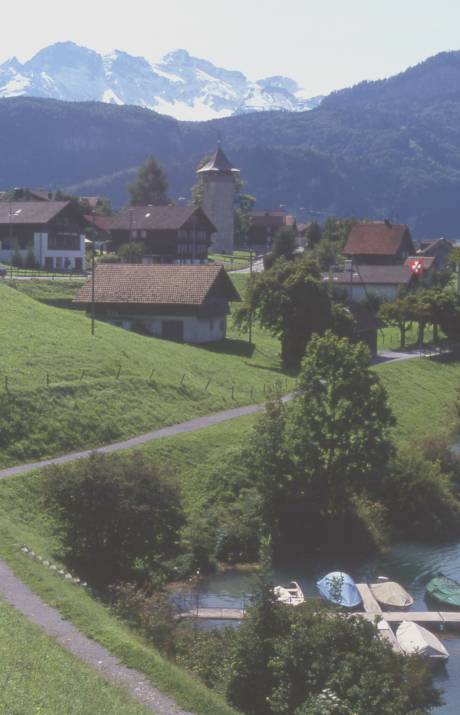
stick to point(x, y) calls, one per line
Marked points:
point(271, 219)
point(377, 238)
point(156, 284)
point(103, 223)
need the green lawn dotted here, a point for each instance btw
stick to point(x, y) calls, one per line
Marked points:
point(38, 676)
point(23, 520)
point(62, 389)
point(232, 262)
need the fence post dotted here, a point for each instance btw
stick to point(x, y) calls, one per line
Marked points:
point(6, 383)
point(119, 371)
point(233, 392)
point(82, 375)
point(207, 385)
point(47, 379)
point(182, 379)
point(151, 373)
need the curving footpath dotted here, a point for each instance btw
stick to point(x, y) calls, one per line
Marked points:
point(15, 592)
point(96, 656)
point(181, 428)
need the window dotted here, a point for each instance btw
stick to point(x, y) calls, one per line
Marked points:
point(64, 242)
point(143, 234)
point(79, 264)
point(58, 261)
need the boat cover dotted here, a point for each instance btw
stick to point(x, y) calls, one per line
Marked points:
point(338, 587)
point(390, 593)
point(415, 639)
point(444, 590)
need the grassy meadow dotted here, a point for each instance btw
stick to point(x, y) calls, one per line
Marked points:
point(62, 389)
point(38, 676)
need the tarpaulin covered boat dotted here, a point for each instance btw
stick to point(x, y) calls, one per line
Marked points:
point(391, 594)
point(339, 588)
point(445, 591)
point(416, 640)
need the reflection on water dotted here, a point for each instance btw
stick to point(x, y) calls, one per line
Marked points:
point(411, 565)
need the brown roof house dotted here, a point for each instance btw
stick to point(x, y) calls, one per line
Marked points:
point(184, 303)
point(171, 234)
point(438, 249)
point(358, 282)
point(379, 243)
point(263, 226)
point(54, 230)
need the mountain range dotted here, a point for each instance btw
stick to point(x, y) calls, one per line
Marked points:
point(384, 149)
point(181, 86)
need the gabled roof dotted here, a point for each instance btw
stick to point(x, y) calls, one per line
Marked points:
point(30, 212)
point(428, 247)
point(160, 218)
point(376, 238)
point(157, 285)
point(218, 162)
point(270, 219)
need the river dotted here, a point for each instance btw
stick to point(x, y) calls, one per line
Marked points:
point(411, 565)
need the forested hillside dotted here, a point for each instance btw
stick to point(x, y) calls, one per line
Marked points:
point(381, 149)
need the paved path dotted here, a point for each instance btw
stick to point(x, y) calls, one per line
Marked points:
point(191, 426)
point(63, 632)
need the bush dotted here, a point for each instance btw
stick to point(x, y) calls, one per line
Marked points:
point(420, 497)
point(108, 258)
point(119, 517)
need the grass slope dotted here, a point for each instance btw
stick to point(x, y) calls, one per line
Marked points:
point(38, 676)
point(23, 520)
point(62, 389)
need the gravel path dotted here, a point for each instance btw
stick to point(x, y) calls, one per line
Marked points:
point(181, 428)
point(49, 619)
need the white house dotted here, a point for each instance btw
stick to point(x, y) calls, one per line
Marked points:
point(52, 230)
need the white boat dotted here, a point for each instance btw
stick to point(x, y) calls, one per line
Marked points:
point(416, 640)
point(391, 594)
point(292, 594)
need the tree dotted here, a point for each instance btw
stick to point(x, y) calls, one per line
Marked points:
point(306, 661)
point(399, 314)
point(284, 243)
point(337, 229)
point(292, 302)
point(244, 206)
point(119, 516)
point(132, 252)
point(151, 185)
point(312, 460)
point(313, 234)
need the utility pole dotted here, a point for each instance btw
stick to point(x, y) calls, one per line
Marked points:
point(93, 278)
point(250, 312)
point(10, 238)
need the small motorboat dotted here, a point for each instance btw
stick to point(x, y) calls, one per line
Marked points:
point(291, 595)
point(444, 590)
point(391, 594)
point(416, 640)
point(386, 634)
point(339, 588)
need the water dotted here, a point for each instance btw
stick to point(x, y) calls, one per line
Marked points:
point(411, 565)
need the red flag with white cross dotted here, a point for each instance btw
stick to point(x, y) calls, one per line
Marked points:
point(416, 266)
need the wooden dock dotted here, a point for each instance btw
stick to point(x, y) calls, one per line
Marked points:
point(372, 612)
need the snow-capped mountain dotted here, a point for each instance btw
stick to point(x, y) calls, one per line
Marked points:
point(180, 85)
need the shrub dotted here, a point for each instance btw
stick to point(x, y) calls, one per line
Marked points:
point(119, 517)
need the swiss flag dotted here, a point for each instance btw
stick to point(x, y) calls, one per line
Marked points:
point(416, 266)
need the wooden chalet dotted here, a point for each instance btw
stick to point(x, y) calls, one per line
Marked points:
point(379, 243)
point(170, 234)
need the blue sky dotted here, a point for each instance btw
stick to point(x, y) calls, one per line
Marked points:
point(324, 45)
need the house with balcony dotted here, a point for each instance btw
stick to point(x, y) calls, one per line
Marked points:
point(169, 234)
point(52, 230)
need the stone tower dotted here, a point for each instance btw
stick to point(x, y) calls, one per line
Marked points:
point(218, 177)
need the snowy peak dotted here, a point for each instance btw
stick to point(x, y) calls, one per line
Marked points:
point(183, 86)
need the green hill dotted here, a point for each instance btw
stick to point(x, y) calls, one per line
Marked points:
point(389, 148)
point(63, 390)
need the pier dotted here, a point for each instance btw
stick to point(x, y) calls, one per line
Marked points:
point(372, 611)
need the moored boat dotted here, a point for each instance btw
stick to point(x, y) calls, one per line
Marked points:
point(339, 588)
point(444, 590)
point(391, 595)
point(416, 640)
point(291, 595)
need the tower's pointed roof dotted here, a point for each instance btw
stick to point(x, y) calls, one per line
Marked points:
point(218, 162)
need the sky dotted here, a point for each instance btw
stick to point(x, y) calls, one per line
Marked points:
point(324, 45)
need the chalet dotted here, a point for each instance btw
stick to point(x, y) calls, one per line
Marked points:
point(183, 302)
point(170, 234)
point(53, 230)
point(379, 243)
point(437, 249)
point(263, 226)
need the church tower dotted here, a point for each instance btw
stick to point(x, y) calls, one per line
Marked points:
point(218, 177)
